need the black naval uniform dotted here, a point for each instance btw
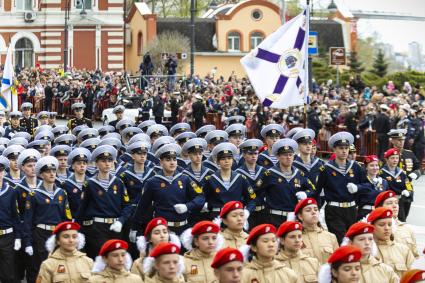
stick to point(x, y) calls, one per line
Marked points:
point(74, 122)
point(409, 164)
point(10, 131)
point(29, 124)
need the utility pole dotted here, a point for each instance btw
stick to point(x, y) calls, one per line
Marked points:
point(65, 50)
point(192, 37)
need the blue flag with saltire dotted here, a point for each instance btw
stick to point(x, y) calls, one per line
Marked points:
point(278, 67)
point(8, 97)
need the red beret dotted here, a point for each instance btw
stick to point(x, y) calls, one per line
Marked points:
point(358, 229)
point(64, 226)
point(333, 156)
point(259, 230)
point(304, 203)
point(205, 227)
point(229, 206)
point(345, 254)
point(112, 245)
point(391, 151)
point(314, 142)
point(153, 223)
point(383, 196)
point(370, 158)
point(164, 249)
point(287, 227)
point(412, 276)
point(379, 213)
point(225, 256)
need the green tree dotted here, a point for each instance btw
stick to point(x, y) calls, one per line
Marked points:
point(354, 64)
point(380, 65)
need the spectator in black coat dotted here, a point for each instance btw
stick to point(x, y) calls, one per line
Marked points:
point(199, 111)
point(158, 108)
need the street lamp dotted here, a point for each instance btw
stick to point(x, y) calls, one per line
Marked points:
point(332, 8)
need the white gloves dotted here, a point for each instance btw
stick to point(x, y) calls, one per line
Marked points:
point(352, 188)
point(17, 245)
point(132, 236)
point(246, 214)
point(180, 208)
point(29, 251)
point(405, 193)
point(116, 227)
point(301, 195)
point(413, 176)
point(205, 208)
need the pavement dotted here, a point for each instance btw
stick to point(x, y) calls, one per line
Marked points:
point(416, 218)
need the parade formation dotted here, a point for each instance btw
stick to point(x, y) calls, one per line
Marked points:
point(143, 203)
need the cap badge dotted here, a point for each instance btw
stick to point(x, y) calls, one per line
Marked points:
point(388, 213)
point(117, 245)
point(366, 230)
point(68, 226)
point(158, 222)
point(309, 201)
point(232, 256)
point(350, 258)
point(267, 229)
point(237, 205)
point(173, 249)
point(297, 226)
point(209, 228)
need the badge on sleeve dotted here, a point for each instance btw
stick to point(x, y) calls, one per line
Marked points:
point(196, 188)
point(194, 270)
point(61, 268)
point(162, 185)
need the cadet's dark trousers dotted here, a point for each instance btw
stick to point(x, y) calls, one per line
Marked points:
point(7, 258)
point(339, 219)
point(403, 208)
point(39, 238)
point(275, 220)
point(96, 235)
point(382, 144)
point(178, 230)
point(258, 217)
point(362, 213)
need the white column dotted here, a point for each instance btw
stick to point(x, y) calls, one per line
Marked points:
point(98, 47)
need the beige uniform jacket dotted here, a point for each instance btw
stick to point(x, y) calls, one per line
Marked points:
point(396, 255)
point(65, 267)
point(305, 267)
point(137, 267)
point(157, 279)
point(272, 272)
point(404, 235)
point(113, 276)
point(319, 244)
point(373, 270)
point(198, 267)
point(233, 240)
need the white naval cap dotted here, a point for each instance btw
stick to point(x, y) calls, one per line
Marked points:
point(19, 141)
point(271, 129)
point(179, 128)
point(304, 135)
point(139, 137)
point(168, 149)
point(184, 137)
point(61, 149)
point(138, 145)
point(13, 149)
point(341, 139)
point(216, 136)
point(46, 163)
point(104, 151)
point(224, 148)
point(202, 131)
point(157, 129)
point(251, 145)
point(27, 155)
point(161, 141)
point(195, 144)
point(87, 134)
point(236, 129)
point(290, 134)
point(285, 145)
point(146, 124)
point(65, 139)
point(4, 162)
point(124, 123)
point(79, 154)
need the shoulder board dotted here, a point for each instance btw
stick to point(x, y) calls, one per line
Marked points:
point(322, 168)
point(207, 177)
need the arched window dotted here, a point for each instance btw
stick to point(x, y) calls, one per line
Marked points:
point(139, 43)
point(24, 53)
point(233, 41)
point(256, 38)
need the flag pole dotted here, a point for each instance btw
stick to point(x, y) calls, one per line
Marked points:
point(307, 65)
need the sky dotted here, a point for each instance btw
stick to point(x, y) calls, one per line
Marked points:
point(397, 33)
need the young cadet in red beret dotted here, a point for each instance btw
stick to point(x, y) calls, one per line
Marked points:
point(262, 249)
point(113, 264)
point(413, 276)
point(396, 255)
point(156, 232)
point(164, 264)
point(228, 266)
point(318, 242)
point(398, 181)
point(291, 242)
point(65, 262)
point(202, 241)
point(372, 185)
point(343, 266)
point(360, 235)
point(233, 217)
point(402, 233)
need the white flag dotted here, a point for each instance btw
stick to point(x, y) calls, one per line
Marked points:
point(8, 99)
point(278, 67)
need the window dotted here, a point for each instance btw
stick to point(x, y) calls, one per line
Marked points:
point(233, 41)
point(256, 15)
point(23, 5)
point(24, 53)
point(87, 4)
point(139, 43)
point(256, 38)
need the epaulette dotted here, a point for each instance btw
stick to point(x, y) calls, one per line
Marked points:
point(322, 168)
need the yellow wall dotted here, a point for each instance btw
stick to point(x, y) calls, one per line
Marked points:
point(244, 24)
point(133, 60)
point(225, 65)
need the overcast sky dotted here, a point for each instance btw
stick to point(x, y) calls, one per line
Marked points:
point(397, 33)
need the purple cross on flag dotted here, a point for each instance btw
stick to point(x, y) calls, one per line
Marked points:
point(277, 68)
